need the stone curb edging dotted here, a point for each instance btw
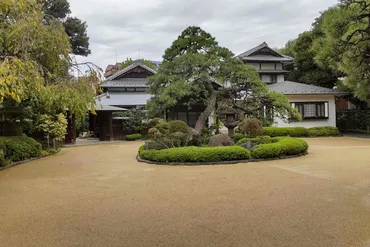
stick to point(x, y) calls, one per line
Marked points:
point(139, 159)
point(27, 161)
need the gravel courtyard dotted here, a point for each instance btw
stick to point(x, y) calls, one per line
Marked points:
point(101, 196)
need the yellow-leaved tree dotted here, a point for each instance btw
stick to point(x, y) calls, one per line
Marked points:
point(35, 65)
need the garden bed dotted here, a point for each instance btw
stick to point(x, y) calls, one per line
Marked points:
point(42, 155)
point(267, 149)
point(139, 159)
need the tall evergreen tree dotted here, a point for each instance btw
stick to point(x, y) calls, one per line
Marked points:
point(74, 27)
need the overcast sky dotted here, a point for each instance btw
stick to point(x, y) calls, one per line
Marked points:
point(145, 28)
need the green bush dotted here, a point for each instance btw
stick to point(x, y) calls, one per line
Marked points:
point(133, 137)
point(154, 122)
point(280, 148)
point(20, 148)
point(163, 127)
point(301, 132)
point(257, 140)
point(238, 136)
point(252, 127)
point(2, 158)
point(170, 134)
point(323, 131)
point(287, 131)
point(178, 126)
point(195, 154)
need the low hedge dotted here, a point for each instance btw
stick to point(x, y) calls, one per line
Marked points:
point(280, 147)
point(301, 132)
point(195, 154)
point(133, 137)
point(323, 131)
point(285, 131)
point(18, 148)
point(238, 137)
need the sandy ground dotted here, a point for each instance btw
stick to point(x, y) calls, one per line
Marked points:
point(100, 196)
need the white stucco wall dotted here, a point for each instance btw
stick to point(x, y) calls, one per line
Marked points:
point(331, 121)
point(279, 66)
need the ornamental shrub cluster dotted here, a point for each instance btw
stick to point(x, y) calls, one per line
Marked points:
point(133, 137)
point(280, 147)
point(18, 148)
point(195, 154)
point(170, 134)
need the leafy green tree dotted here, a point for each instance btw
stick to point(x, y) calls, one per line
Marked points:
point(54, 127)
point(195, 70)
point(250, 95)
point(306, 70)
point(346, 46)
point(134, 120)
point(129, 61)
point(289, 48)
point(35, 64)
point(30, 51)
point(74, 27)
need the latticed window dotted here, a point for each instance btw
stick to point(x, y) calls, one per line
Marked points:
point(312, 110)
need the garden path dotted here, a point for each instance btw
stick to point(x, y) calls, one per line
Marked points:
point(101, 196)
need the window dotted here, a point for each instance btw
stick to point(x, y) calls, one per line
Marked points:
point(312, 110)
point(274, 78)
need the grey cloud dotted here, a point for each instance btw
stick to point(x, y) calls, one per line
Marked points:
point(151, 25)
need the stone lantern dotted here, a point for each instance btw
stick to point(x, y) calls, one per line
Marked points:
point(229, 119)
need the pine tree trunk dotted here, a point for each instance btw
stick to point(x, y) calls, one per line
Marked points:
point(211, 105)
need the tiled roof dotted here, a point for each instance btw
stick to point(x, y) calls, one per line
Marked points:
point(125, 83)
point(100, 107)
point(253, 50)
point(291, 88)
point(266, 71)
point(128, 68)
point(251, 55)
point(268, 58)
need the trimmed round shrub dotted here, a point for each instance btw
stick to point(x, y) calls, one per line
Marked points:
point(133, 137)
point(257, 140)
point(323, 131)
point(280, 148)
point(220, 140)
point(252, 127)
point(178, 126)
point(179, 139)
point(239, 136)
point(195, 154)
point(20, 148)
point(154, 122)
point(163, 127)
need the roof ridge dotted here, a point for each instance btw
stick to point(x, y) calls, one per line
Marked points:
point(128, 68)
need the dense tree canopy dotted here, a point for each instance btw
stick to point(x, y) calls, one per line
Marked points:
point(306, 69)
point(196, 69)
point(74, 27)
point(346, 46)
point(35, 65)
